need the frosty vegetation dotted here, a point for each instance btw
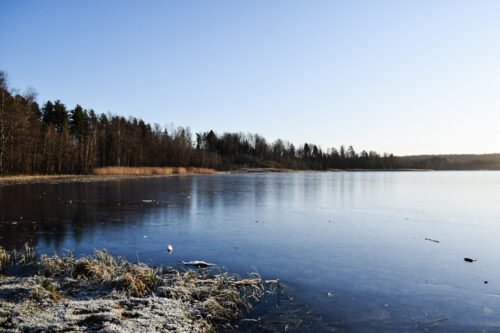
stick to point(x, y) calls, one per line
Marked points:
point(102, 292)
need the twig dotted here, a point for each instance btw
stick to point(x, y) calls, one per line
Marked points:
point(438, 320)
point(432, 240)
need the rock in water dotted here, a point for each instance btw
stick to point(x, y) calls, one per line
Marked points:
point(197, 263)
point(470, 259)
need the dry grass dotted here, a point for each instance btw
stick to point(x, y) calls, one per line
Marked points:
point(263, 170)
point(108, 171)
point(132, 285)
point(34, 178)
point(26, 256)
point(46, 290)
point(150, 171)
point(217, 297)
point(4, 260)
point(55, 266)
point(99, 268)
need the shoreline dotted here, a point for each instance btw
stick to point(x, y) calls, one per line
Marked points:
point(131, 173)
point(102, 292)
point(66, 178)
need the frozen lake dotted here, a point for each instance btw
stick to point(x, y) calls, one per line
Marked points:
point(352, 248)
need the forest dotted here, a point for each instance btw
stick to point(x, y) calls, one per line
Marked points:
point(54, 139)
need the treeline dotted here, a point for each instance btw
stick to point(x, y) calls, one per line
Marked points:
point(52, 139)
point(451, 162)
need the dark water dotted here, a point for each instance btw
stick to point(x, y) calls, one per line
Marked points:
point(360, 236)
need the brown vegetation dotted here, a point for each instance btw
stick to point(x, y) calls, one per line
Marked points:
point(46, 290)
point(150, 171)
point(4, 260)
point(209, 298)
point(23, 257)
point(107, 173)
point(19, 179)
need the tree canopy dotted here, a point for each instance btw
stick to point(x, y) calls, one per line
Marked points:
point(53, 139)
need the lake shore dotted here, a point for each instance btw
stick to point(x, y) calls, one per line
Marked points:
point(107, 174)
point(103, 292)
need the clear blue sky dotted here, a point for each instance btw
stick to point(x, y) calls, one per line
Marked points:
point(406, 77)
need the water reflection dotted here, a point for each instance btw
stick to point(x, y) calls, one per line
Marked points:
point(359, 236)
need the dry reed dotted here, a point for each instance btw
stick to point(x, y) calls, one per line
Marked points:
point(26, 256)
point(150, 171)
point(4, 260)
point(35, 178)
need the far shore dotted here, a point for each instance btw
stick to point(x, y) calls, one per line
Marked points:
point(116, 173)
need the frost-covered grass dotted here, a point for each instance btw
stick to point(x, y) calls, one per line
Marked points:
point(4, 260)
point(122, 296)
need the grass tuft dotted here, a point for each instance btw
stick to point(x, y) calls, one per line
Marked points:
point(46, 290)
point(4, 260)
point(27, 255)
point(24, 257)
point(132, 285)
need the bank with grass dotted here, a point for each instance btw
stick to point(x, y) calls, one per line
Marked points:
point(104, 174)
point(108, 293)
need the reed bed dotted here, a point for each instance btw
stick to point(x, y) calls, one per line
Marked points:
point(35, 178)
point(151, 171)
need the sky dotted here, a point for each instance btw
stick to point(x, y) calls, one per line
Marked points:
point(405, 77)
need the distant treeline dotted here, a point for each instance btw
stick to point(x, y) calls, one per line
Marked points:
point(53, 139)
point(451, 162)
